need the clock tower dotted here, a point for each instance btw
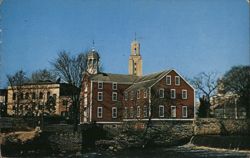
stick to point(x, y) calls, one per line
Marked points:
point(135, 60)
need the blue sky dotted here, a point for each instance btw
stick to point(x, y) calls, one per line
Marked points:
point(190, 36)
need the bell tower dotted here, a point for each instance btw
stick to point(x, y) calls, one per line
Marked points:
point(93, 62)
point(135, 59)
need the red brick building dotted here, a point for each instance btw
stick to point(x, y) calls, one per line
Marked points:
point(113, 98)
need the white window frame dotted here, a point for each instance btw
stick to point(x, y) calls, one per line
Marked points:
point(125, 112)
point(145, 111)
point(161, 111)
point(173, 109)
point(132, 95)
point(99, 113)
point(168, 76)
point(184, 91)
point(161, 89)
point(179, 79)
point(100, 83)
point(114, 94)
point(131, 112)
point(100, 94)
point(138, 94)
point(145, 95)
point(126, 96)
point(138, 111)
point(114, 112)
point(172, 93)
point(114, 85)
point(184, 112)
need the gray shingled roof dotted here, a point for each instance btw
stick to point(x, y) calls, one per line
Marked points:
point(147, 80)
point(114, 77)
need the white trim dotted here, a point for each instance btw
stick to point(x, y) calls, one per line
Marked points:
point(194, 105)
point(161, 89)
point(168, 76)
point(145, 92)
point(109, 122)
point(113, 93)
point(149, 102)
point(171, 111)
point(126, 96)
point(160, 119)
point(99, 82)
point(138, 112)
point(131, 112)
point(116, 112)
point(145, 109)
point(98, 99)
point(173, 93)
point(132, 95)
point(138, 94)
point(97, 112)
point(184, 79)
point(175, 77)
point(184, 90)
point(114, 83)
point(186, 112)
point(159, 111)
point(177, 74)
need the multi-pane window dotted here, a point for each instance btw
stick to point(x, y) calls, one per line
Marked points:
point(114, 86)
point(33, 95)
point(177, 80)
point(145, 93)
point(125, 112)
point(172, 93)
point(14, 96)
point(138, 112)
point(27, 95)
point(173, 111)
point(131, 112)
point(132, 95)
point(114, 112)
point(138, 94)
point(41, 95)
point(168, 80)
point(100, 96)
point(99, 112)
point(161, 93)
point(100, 85)
point(126, 96)
point(184, 94)
point(184, 111)
point(145, 111)
point(161, 111)
point(114, 96)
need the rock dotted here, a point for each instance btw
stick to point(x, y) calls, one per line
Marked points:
point(111, 147)
point(78, 153)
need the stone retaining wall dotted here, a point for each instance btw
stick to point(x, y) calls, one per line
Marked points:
point(215, 126)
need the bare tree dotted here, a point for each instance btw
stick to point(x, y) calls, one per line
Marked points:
point(71, 69)
point(16, 83)
point(206, 86)
point(43, 75)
